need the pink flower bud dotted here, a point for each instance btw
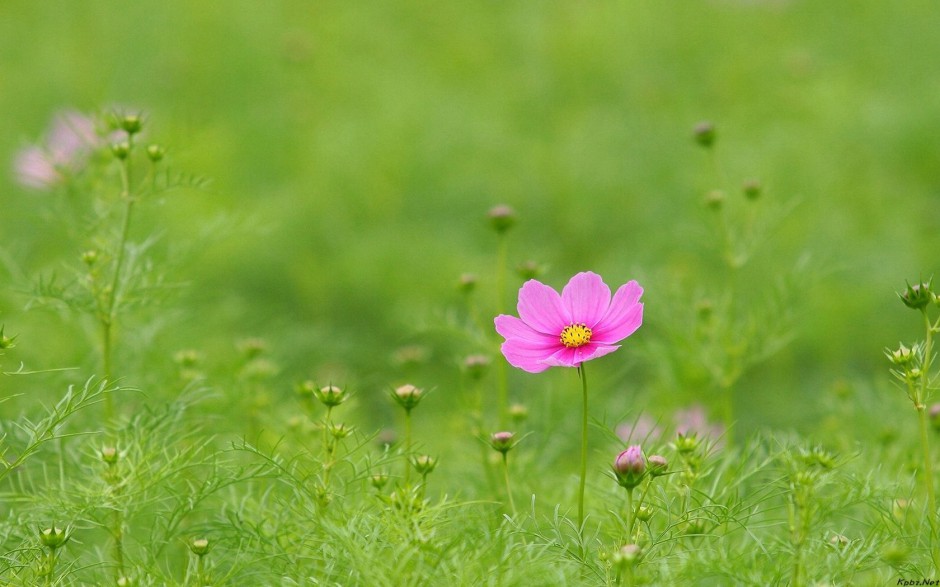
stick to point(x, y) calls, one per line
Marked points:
point(630, 467)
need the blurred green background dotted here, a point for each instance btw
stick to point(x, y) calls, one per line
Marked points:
point(355, 147)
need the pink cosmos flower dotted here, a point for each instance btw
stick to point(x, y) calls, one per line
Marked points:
point(565, 330)
point(70, 140)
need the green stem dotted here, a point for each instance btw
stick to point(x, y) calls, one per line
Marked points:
point(631, 516)
point(512, 505)
point(928, 468)
point(584, 446)
point(921, 405)
point(108, 318)
point(50, 562)
point(201, 570)
point(795, 537)
point(329, 447)
point(407, 448)
point(119, 543)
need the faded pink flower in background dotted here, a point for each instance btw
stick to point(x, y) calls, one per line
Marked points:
point(565, 330)
point(65, 150)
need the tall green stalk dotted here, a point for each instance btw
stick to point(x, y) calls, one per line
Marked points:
point(631, 515)
point(107, 317)
point(512, 505)
point(584, 445)
point(407, 448)
point(922, 408)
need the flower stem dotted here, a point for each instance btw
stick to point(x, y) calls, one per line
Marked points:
point(201, 571)
point(329, 448)
point(512, 505)
point(631, 515)
point(107, 318)
point(50, 567)
point(921, 406)
point(584, 445)
point(407, 448)
point(928, 478)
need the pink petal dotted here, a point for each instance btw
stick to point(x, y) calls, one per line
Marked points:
point(624, 316)
point(573, 357)
point(522, 359)
point(564, 357)
point(33, 169)
point(586, 297)
point(540, 307)
point(72, 135)
point(515, 330)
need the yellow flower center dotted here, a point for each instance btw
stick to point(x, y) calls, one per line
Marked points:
point(575, 335)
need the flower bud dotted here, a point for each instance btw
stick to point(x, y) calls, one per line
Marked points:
point(502, 218)
point(379, 480)
point(627, 556)
point(121, 150)
point(686, 443)
point(658, 465)
point(53, 538)
point(704, 309)
point(90, 257)
point(467, 283)
point(340, 431)
point(408, 396)
point(900, 508)
point(331, 396)
point(423, 464)
point(502, 442)
point(529, 270)
point(917, 296)
point(630, 467)
point(839, 541)
point(476, 365)
point(199, 546)
point(6, 342)
point(411, 355)
point(643, 513)
point(715, 199)
point(109, 454)
point(251, 348)
point(125, 581)
point(187, 358)
point(752, 189)
point(704, 133)
point(902, 356)
point(155, 153)
point(934, 414)
point(518, 413)
point(131, 123)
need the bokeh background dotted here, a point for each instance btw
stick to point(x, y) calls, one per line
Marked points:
point(354, 149)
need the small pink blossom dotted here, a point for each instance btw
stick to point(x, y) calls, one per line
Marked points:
point(565, 330)
point(68, 143)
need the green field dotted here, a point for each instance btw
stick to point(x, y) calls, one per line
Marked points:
point(328, 173)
